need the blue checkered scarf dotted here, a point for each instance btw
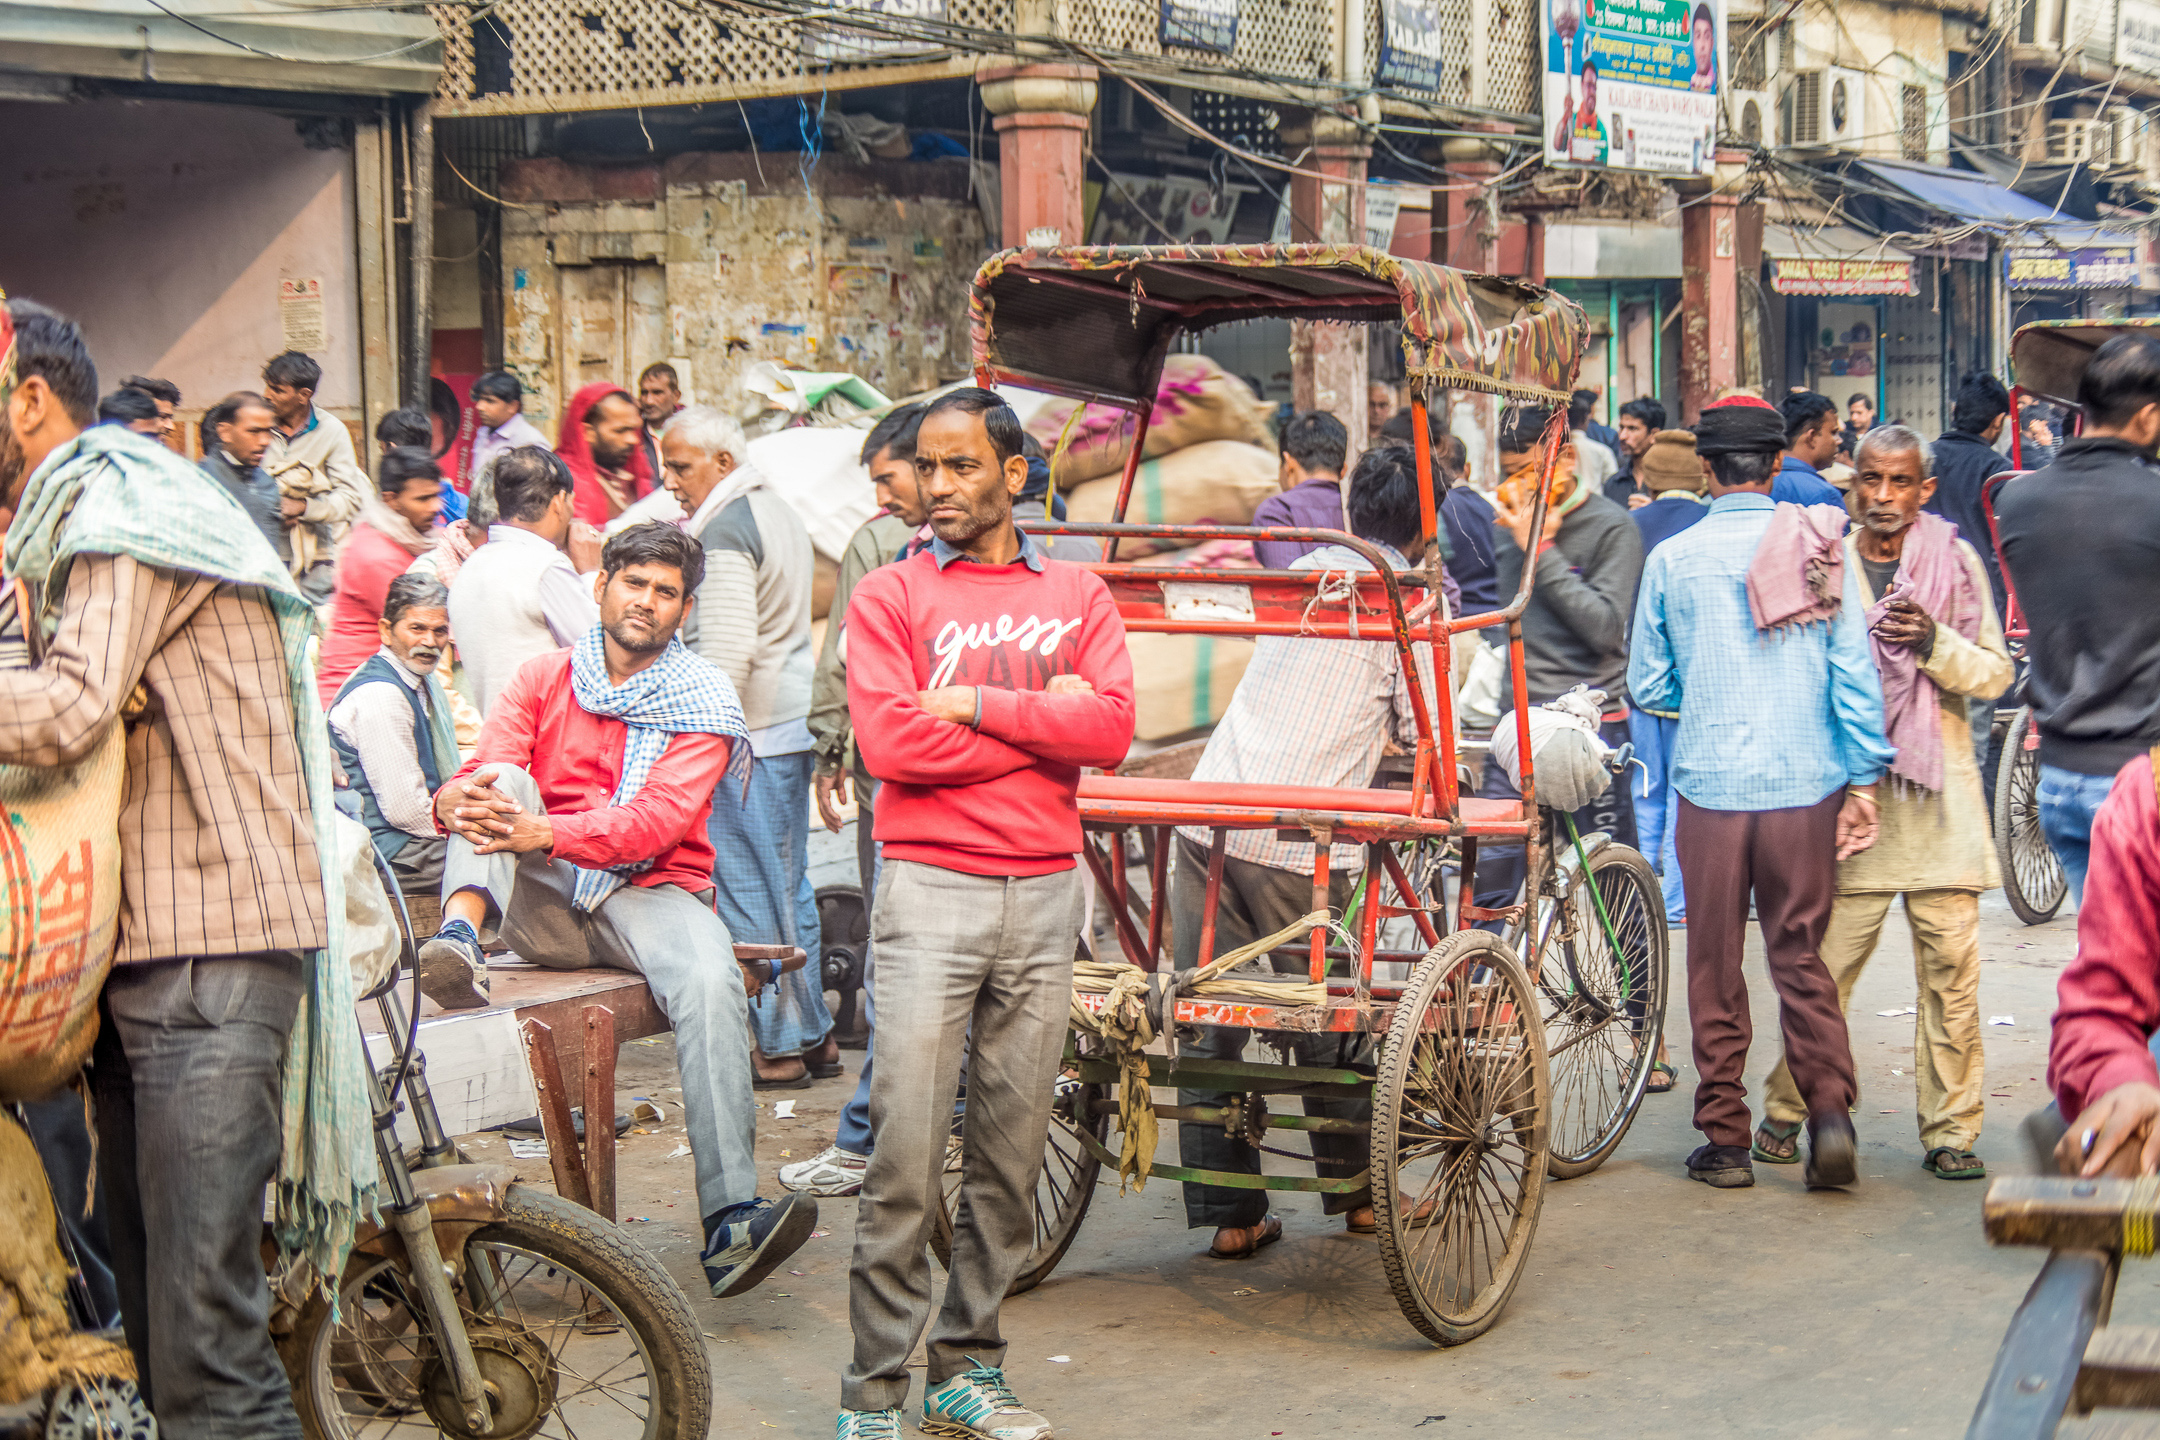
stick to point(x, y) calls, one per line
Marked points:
point(678, 693)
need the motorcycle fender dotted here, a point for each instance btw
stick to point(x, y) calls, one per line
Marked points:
point(460, 1199)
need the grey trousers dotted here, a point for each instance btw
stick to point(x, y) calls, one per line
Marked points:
point(187, 1080)
point(1256, 901)
point(955, 951)
point(664, 934)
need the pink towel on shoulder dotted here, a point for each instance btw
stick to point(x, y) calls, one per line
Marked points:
point(1933, 576)
point(1798, 574)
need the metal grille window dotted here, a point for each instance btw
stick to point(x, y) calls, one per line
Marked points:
point(1751, 63)
point(1913, 122)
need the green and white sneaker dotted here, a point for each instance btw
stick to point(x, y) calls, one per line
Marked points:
point(869, 1425)
point(977, 1404)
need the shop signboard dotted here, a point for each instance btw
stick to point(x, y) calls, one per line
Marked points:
point(2137, 35)
point(1410, 44)
point(1633, 84)
point(1842, 275)
point(1199, 24)
point(832, 41)
point(2071, 267)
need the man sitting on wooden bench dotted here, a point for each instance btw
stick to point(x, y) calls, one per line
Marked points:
point(578, 831)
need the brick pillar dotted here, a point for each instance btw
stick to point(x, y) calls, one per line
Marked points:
point(1328, 362)
point(1719, 231)
point(1466, 235)
point(1041, 118)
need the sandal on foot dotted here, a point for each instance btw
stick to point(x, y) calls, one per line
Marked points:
point(1777, 1142)
point(1267, 1232)
point(1947, 1162)
point(1664, 1076)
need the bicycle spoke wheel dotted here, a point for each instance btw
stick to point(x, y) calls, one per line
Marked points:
point(2033, 879)
point(1460, 1104)
point(576, 1330)
point(1063, 1187)
point(1604, 1007)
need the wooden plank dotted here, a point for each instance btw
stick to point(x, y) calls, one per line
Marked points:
point(2061, 1213)
point(563, 1156)
point(2037, 1367)
point(2121, 1369)
point(600, 1109)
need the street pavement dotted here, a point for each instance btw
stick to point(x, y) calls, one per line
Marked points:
point(1652, 1305)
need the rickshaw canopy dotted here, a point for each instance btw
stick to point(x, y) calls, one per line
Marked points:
point(2048, 357)
point(1094, 322)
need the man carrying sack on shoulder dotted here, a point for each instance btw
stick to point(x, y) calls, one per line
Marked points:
point(227, 1052)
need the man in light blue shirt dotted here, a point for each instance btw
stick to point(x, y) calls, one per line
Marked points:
point(1811, 442)
point(1781, 743)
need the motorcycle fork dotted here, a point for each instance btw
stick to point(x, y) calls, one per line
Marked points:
point(410, 1218)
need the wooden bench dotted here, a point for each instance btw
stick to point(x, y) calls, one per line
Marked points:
point(572, 1022)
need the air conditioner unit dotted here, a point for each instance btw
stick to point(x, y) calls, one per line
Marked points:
point(1751, 117)
point(1826, 108)
point(2127, 136)
point(2079, 142)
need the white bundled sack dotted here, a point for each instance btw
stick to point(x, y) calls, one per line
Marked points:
point(1567, 755)
point(373, 945)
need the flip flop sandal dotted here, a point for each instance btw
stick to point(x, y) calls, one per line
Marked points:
point(1784, 1134)
point(1954, 1164)
point(1267, 1232)
point(1671, 1075)
point(800, 1082)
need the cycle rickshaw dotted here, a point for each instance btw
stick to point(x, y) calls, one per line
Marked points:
point(1501, 1059)
point(2047, 359)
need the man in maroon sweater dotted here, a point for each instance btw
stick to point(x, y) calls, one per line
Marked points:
point(2107, 1004)
point(981, 677)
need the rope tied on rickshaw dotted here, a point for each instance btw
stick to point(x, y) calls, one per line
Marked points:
point(1135, 1002)
point(1335, 587)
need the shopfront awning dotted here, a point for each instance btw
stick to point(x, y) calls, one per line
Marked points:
point(326, 48)
point(1835, 260)
point(2043, 249)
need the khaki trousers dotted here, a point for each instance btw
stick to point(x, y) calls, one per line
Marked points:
point(1947, 1063)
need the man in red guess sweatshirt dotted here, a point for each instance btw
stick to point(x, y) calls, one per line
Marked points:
point(981, 676)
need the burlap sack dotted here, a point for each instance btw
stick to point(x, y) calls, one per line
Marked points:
point(1182, 682)
point(39, 1348)
point(60, 859)
point(1197, 400)
point(1219, 482)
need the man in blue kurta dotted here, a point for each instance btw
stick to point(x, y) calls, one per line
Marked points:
point(1750, 628)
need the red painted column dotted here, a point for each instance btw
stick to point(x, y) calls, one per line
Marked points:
point(1041, 118)
point(1328, 362)
point(1469, 237)
point(1720, 231)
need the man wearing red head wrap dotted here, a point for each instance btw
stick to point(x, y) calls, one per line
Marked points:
point(599, 442)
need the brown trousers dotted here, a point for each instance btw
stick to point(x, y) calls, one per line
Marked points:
point(1788, 860)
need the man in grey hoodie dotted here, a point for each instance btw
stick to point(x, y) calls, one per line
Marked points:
point(1575, 631)
point(752, 620)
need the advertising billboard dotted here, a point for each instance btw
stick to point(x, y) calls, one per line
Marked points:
point(1633, 84)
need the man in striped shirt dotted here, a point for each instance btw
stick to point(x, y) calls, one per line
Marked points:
point(1275, 733)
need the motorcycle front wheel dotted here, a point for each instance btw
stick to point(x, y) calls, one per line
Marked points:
point(575, 1328)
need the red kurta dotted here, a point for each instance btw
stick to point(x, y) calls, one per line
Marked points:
point(2107, 1002)
point(367, 562)
point(576, 758)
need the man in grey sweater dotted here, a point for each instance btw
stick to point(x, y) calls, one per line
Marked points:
point(1589, 560)
point(752, 620)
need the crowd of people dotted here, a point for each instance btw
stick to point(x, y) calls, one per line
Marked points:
point(597, 741)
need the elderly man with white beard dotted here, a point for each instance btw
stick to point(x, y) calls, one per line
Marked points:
point(392, 728)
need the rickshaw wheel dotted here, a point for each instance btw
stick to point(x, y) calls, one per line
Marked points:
point(1063, 1188)
point(1459, 1136)
point(1604, 1010)
point(2033, 879)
